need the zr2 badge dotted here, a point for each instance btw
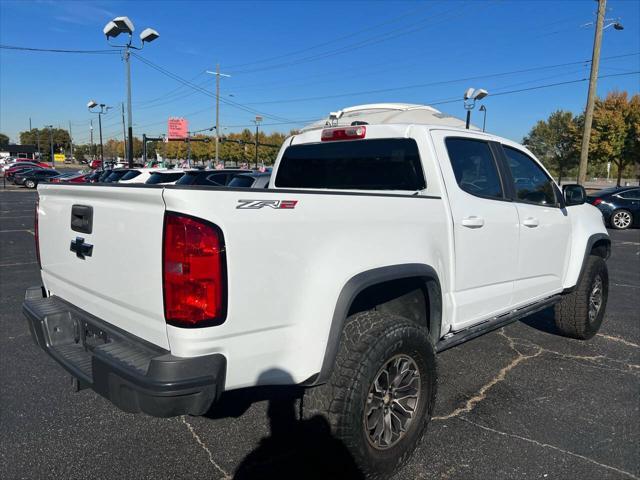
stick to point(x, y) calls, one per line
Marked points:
point(257, 204)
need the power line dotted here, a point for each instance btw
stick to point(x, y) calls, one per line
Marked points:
point(440, 82)
point(372, 41)
point(57, 50)
point(538, 87)
point(202, 90)
point(170, 93)
point(329, 42)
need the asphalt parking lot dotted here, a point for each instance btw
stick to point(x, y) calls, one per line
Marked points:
point(521, 402)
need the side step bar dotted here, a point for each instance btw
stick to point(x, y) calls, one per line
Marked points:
point(494, 323)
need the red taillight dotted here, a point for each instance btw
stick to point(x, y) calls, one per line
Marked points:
point(35, 233)
point(193, 272)
point(344, 133)
point(596, 202)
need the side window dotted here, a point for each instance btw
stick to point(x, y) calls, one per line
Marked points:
point(474, 167)
point(630, 194)
point(216, 179)
point(531, 182)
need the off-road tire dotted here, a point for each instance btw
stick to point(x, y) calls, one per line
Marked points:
point(572, 312)
point(30, 184)
point(625, 222)
point(369, 340)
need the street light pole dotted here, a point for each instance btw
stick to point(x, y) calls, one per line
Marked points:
point(50, 127)
point(470, 97)
point(112, 29)
point(93, 152)
point(127, 61)
point(593, 79)
point(100, 129)
point(484, 119)
point(103, 109)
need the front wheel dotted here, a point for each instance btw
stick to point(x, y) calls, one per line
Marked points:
point(30, 184)
point(621, 219)
point(380, 395)
point(580, 313)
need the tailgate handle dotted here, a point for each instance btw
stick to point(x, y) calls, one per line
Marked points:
point(82, 218)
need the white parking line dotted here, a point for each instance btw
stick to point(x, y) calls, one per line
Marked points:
point(13, 231)
point(16, 264)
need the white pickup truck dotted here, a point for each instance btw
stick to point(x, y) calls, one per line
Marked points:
point(387, 234)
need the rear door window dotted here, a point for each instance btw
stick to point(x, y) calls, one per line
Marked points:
point(474, 167)
point(380, 164)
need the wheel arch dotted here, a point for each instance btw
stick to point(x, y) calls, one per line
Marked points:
point(359, 292)
point(598, 244)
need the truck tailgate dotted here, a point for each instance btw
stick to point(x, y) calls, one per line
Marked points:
point(120, 279)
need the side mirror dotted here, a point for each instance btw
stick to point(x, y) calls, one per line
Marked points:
point(574, 194)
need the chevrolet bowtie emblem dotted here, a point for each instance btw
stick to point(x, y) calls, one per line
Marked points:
point(81, 249)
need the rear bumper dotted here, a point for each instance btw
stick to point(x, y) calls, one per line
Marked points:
point(134, 375)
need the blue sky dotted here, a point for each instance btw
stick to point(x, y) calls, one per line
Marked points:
point(296, 61)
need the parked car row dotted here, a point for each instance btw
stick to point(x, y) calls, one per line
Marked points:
point(31, 174)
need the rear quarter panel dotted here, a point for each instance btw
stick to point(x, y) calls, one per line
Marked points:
point(286, 268)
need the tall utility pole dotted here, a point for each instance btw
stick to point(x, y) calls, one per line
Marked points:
point(70, 140)
point(591, 97)
point(217, 110)
point(257, 122)
point(218, 75)
point(124, 135)
point(30, 124)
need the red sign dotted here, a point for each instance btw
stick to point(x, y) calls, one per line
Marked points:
point(178, 128)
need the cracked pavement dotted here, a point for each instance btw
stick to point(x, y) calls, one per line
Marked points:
point(521, 402)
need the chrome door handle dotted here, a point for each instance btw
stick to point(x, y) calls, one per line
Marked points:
point(531, 222)
point(473, 222)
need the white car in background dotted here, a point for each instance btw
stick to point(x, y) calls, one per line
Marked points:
point(164, 176)
point(142, 175)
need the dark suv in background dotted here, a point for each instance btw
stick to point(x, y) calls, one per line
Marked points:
point(620, 206)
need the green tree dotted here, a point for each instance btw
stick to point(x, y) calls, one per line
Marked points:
point(61, 140)
point(554, 142)
point(615, 131)
point(4, 139)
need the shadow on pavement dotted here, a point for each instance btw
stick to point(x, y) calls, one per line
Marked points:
point(296, 448)
point(543, 321)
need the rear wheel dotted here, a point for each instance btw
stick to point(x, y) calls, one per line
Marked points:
point(580, 313)
point(30, 184)
point(380, 395)
point(621, 219)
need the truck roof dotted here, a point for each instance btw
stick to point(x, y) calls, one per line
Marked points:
point(389, 113)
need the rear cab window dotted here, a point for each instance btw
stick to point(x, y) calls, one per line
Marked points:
point(377, 164)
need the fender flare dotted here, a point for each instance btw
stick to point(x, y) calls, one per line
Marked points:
point(363, 280)
point(596, 237)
